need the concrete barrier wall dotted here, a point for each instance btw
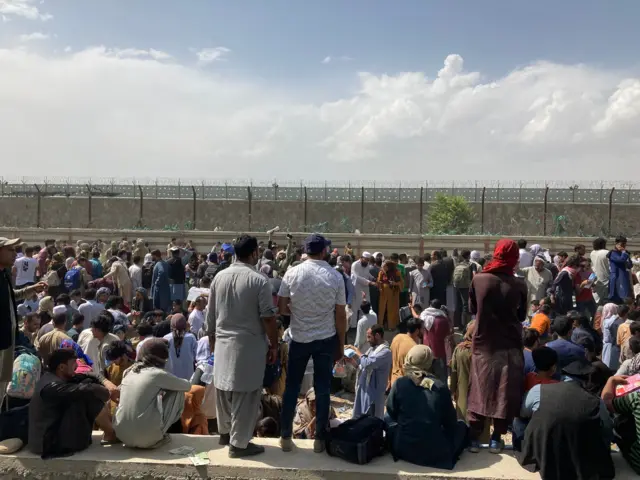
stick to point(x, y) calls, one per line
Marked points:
point(342, 217)
point(204, 240)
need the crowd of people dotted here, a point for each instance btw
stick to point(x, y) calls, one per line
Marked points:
point(251, 339)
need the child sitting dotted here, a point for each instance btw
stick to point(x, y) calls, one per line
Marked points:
point(545, 360)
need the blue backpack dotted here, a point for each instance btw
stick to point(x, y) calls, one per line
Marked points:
point(72, 279)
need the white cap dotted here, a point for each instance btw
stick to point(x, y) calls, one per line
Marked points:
point(366, 255)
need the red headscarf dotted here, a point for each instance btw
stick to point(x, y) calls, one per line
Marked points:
point(505, 257)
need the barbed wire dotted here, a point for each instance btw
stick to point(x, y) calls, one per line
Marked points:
point(317, 190)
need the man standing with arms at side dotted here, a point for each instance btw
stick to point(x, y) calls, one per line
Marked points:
point(241, 311)
point(314, 293)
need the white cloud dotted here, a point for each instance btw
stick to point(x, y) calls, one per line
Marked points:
point(109, 112)
point(22, 8)
point(68, 49)
point(329, 59)
point(128, 53)
point(30, 37)
point(210, 55)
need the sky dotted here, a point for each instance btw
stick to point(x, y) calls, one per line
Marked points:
point(357, 90)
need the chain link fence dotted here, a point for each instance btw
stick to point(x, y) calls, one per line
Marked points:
point(410, 192)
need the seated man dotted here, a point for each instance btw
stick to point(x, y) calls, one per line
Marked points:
point(423, 427)
point(64, 408)
point(50, 342)
point(570, 431)
point(546, 361)
point(567, 351)
point(142, 421)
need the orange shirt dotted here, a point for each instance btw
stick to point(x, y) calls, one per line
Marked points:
point(541, 323)
point(532, 379)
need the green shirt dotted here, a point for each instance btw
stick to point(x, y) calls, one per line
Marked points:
point(629, 405)
point(403, 272)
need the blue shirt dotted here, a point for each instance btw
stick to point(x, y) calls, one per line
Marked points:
point(529, 366)
point(567, 352)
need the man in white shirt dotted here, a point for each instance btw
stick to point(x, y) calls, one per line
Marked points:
point(24, 269)
point(361, 280)
point(314, 293)
point(196, 317)
point(368, 320)
point(90, 309)
point(94, 342)
point(135, 272)
point(602, 269)
point(526, 258)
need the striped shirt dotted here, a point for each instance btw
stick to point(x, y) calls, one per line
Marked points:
point(630, 405)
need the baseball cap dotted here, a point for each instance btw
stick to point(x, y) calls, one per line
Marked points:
point(227, 248)
point(315, 243)
point(9, 242)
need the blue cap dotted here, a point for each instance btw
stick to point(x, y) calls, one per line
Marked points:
point(227, 248)
point(315, 243)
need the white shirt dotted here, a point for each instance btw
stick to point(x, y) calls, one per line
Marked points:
point(601, 265)
point(139, 346)
point(96, 349)
point(526, 259)
point(365, 323)
point(90, 310)
point(314, 289)
point(196, 321)
point(25, 270)
point(135, 272)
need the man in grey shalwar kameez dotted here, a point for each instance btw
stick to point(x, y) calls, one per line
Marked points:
point(373, 375)
point(241, 311)
point(142, 421)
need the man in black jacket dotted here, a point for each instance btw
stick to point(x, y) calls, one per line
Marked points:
point(8, 312)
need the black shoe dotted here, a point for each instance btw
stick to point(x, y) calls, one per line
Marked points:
point(251, 450)
point(225, 438)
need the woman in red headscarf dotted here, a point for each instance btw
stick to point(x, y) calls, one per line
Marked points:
point(499, 300)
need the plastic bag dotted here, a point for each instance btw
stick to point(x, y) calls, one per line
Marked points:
point(340, 369)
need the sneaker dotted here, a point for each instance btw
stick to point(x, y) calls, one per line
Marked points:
point(251, 450)
point(496, 446)
point(225, 438)
point(474, 447)
point(318, 445)
point(286, 444)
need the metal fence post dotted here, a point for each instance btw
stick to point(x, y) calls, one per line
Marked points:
point(250, 198)
point(544, 213)
point(38, 208)
point(421, 209)
point(362, 210)
point(141, 212)
point(305, 209)
point(613, 189)
point(90, 205)
point(193, 189)
point(484, 191)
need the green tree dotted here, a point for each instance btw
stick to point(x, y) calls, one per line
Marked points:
point(450, 216)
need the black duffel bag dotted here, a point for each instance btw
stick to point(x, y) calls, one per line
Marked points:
point(358, 440)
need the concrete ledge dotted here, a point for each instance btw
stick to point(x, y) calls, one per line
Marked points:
point(118, 462)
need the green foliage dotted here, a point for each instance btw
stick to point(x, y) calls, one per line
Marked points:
point(450, 216)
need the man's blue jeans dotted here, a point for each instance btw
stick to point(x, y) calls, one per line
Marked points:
point(321, 351)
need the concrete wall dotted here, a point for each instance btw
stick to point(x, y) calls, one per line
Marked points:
point(341, 217)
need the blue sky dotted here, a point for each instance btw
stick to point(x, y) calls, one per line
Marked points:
point(375, 93)
point(285, 40)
